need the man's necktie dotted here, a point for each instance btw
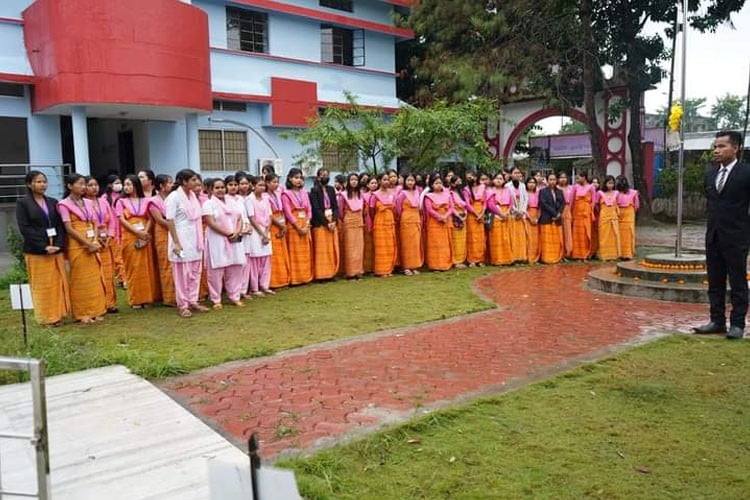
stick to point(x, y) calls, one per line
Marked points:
point(722, 179)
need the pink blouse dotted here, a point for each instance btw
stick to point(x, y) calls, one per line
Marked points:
point(355, 204)
point(458, 202)
point(533, 198)
point(628, 199)
point(495, 198)
point(67, 206)
point(294, 200)
point(275, 200)
point(411, 196)
point(137, 208)
point(433, 199)
point(609, 198)
point(477, 193)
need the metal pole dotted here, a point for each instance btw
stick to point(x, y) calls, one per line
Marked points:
point(670, 98)
point(681, 161)
point(38, 392)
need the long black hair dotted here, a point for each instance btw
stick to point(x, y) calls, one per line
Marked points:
point(71, 179)
point(293, 172)
point(183, 175)
point(604, 187)
point(622, 184)
point(33, 174)
point(108, 182)
point(349, 189)
point(160, 181)
point(136, 185)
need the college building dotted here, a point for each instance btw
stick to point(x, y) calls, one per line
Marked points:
point(114, 86)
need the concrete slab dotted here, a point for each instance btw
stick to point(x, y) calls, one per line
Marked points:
point(113, 435)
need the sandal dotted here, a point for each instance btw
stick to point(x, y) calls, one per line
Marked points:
point(268, 291)
point(199, 308)
point(86, 321)
point(184, 312)
point(217, 306)
point(237, 303)
point(408, 272)
point(258, 294)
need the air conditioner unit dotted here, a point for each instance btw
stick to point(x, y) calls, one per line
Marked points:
point(310, 167)
point(274, 163)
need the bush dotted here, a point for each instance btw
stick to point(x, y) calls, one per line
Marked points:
point(693, 180)
point(17, 272)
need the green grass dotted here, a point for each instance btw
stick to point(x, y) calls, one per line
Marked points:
point(155, 343)
point(667, 420)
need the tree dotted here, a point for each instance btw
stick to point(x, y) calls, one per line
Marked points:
point(424, 136)
point(361, 130)
point(573, 127)
point(692, 119)
point(727, 111)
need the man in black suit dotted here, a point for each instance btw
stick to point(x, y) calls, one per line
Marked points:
point(727, 236)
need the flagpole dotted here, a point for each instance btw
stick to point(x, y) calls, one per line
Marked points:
point(681, 161)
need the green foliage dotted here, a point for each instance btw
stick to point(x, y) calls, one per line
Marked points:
point(693, 120)
point(693, 178)
point(363, 130)
point(633, 426)
point(727, 111)
point(573, 127)
point(424, 136)
point(17, 271)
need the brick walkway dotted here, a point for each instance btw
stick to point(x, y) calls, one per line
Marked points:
point(309, 399)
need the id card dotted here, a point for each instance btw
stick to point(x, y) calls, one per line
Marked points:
point(328, 213)
point(302, 214)
point(90, 233)
point(103, 233)
point(138, 226)
point(51, 232)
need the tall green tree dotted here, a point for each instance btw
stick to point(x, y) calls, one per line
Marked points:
point(573, 127)
point(727, 111)
point(692, 120)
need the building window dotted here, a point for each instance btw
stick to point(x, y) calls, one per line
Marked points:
point(11, 90)
point(224, 150)
point(338, 4)
point(247, 30)
point(340, 160)
point(240, 107)
point(342, 46)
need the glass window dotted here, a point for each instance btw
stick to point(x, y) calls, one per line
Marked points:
point(224, 150)
point(230, 106)
point(345, 5)
point(342, 46)
point(11, 89)
point(247, 30)
point(340, 160)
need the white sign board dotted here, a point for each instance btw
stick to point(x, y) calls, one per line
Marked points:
point(20, 297)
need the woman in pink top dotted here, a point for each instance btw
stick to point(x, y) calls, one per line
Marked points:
point(158, 212)
point(583, 217)
point(498, 203)
point(369, 186)
point(629, 202)
point(411, 248)
point(82, 250)
point(259, 248)
point(298, 212)
point(439, 211)
point(460, 215)
point(567, 215)
point(476, 238)
point(106, 230)
point(224, 251)
point(352, 222)
point(382, 212)
point(532, 220)
point(185, 243)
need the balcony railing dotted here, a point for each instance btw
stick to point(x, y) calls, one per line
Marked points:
point(13, 179)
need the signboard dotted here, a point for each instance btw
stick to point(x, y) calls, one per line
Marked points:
point(20, 297)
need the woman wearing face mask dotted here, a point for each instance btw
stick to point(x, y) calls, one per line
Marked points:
point(106, 224)
point(137, 253)
point(43, 239)
point(112, 193)
point(324, 231)
point(82, 247)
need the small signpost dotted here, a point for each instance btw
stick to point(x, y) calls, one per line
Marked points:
point(20, 298)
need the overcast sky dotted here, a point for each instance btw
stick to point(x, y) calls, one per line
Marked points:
point(717, 63)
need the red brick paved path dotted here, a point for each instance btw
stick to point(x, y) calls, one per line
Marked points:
point(302, 400)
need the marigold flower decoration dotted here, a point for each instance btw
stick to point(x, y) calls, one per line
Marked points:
point(675, 117)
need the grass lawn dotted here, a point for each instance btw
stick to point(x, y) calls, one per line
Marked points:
point(667, 420)
point(156, 343)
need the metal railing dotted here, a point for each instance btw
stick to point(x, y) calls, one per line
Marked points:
point(13, 179)
point(38, 438)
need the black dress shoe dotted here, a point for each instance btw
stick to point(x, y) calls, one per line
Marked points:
point(710, 328)
point(735, 333)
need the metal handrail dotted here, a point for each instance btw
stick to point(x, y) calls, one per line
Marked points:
point(13, 178)
point(38, 439)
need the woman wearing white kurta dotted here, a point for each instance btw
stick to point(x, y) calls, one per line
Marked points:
point(185, 242)
point(259, 247)
point(224, 251)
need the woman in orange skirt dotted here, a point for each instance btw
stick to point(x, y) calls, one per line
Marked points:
point(298, 212)
point(82, 248)
point(369, 186)
point(532, 221)
point(112, 193)
point(551, 208)
point(352, 223)
point(382, 212)
point(609, 231)
point(498, 203)
point(158, 211)
point(106, 229)
point(595, 223)
point(438, 207)
point(411, 250)
point(583, 217)
point(43, 242)
point(628, 203)
point(325, 237)
point(132, 210)
point(279, 253)
point(476, 238)
point(567, 215)
point(460, 215)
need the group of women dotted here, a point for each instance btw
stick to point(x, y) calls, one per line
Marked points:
point(183, 241)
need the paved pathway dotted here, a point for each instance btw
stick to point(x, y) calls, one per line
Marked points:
point(308, 399)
